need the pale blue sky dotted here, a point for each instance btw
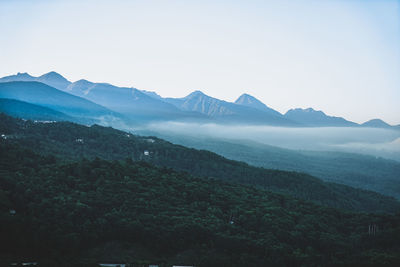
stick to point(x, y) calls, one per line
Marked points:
point(342, 57)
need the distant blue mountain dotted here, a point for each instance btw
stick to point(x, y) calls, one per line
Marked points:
point(46, 96)
point(52, 79)
point(223, 111)
point(147, 106)
point(311, 117)
point(128, 101)
point(376, 123)
point(138, 105)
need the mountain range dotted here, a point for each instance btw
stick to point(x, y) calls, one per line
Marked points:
point(145, 106)
point(223, 111)
point(38, 94)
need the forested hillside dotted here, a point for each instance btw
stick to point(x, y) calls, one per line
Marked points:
point(72, 142)
point(356, 170)
point(85, 212)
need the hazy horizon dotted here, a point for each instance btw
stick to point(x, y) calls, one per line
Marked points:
point(341, 57)
point(369, 141)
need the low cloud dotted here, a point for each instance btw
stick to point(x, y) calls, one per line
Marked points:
point(373, 141)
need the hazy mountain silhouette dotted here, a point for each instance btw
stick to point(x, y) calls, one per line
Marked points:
point(122, 99)
point(140, 105)
point(20, 76)
point(129, 101)
point(147, 105)
point(311, 117)
point(376, 123)
point(224, 111)
point(52, 79)
point(47, 96)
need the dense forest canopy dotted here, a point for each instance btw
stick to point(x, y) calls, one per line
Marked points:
point(72, 212)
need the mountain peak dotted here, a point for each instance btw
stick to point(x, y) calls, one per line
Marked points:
point(54, 79)
point(20, 76)
point(197, 92)
point(247, 99)
point(245, 95)
point(23, 75)
point(250, 101)
point(82, 82)
point(194, 94)
point(311, 110)
point(376, 123)
point(80, 87)
point(305, 110)
point(52, 75)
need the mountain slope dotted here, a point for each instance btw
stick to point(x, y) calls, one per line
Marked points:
point(29, 111)
point(107, 143)
point(129, 101)
point(311, 117)
point(223, 111)
point(152, 94)
point(46, 96)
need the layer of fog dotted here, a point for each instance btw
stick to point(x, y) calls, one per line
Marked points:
point(372, 141)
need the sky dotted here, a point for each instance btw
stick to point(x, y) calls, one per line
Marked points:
point(339, 56)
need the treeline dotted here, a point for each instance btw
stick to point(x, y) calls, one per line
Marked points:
point(73, 142)
point(91, 210)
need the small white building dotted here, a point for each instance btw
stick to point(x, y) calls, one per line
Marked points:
point(146, 153)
